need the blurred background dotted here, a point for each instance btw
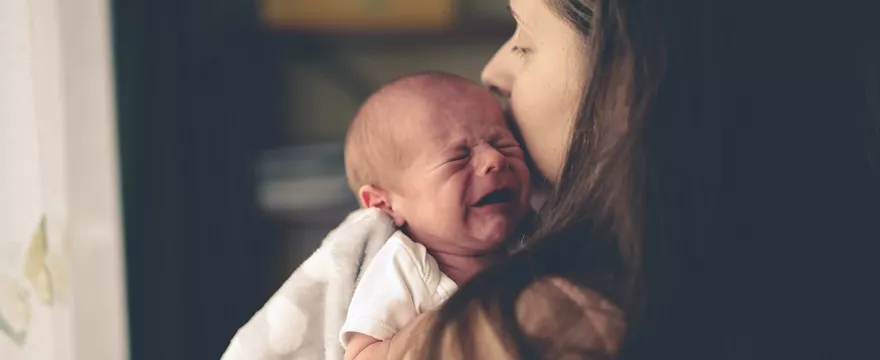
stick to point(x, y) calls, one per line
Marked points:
point(231, 115)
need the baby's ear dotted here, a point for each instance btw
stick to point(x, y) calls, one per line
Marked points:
point(376, 197)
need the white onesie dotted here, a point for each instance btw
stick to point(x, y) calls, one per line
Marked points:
point(401, 282)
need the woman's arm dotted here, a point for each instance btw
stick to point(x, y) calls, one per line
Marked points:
point(559, 319)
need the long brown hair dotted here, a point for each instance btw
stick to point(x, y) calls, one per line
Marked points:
point(714, 147)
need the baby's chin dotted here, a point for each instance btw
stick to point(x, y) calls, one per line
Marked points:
point(493, 232)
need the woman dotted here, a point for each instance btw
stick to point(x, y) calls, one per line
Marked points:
point(705, 156)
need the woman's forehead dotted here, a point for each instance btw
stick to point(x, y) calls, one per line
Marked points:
point(529, 13)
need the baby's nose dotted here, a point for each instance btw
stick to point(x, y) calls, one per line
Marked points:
point(491, 160)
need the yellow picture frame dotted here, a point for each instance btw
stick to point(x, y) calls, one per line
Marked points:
point(358, 15)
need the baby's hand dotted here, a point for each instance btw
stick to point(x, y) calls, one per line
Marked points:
point(365, 347)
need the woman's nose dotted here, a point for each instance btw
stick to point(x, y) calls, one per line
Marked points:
point(489, 160)
point(497, 75)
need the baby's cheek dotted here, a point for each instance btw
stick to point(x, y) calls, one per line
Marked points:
point(438, 205)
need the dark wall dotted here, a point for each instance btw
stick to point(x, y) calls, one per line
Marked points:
point(197, 92)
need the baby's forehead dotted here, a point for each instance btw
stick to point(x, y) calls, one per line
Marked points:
point(454, 128)
point(438, 109)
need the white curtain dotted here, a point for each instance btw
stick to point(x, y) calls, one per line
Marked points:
point(61, 273)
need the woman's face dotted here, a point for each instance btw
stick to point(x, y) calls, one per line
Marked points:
point(541, 71)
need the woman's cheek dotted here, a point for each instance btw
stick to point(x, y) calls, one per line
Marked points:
point(543, 125)
point(537, 140)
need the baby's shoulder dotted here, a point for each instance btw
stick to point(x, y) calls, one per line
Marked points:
point(400, 244)
point(407, 255)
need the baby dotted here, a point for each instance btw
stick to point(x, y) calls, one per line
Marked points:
point(433, 152)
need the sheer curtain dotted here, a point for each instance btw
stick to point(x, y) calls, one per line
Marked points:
point(61, 254)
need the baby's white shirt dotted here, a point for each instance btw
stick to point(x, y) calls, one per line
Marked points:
point(401, 282)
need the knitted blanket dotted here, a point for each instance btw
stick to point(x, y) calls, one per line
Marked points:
point(302, 320)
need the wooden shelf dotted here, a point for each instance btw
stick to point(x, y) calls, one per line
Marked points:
point(466, 31)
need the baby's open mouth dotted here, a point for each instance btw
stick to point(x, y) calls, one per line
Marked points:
point(495, 197)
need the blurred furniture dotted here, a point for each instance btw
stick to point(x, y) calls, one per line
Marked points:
point(337, 15)
point(305, 189)
point(421, 20)
point(215, 212)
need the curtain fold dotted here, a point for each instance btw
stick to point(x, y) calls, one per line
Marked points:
point(59, 217)
point(25, 283)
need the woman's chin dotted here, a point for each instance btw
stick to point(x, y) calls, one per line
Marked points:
point(545, 177)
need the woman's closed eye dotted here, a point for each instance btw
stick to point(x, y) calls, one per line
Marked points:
point(520, 51)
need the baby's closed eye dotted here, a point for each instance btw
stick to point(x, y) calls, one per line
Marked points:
point(509, 149)
point(459, 156)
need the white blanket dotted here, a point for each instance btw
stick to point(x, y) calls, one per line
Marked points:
point(302, 320)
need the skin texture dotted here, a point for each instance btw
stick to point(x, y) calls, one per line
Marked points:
point(458, 149)
point(453, 148)
point(539, 70)
point(364, 347)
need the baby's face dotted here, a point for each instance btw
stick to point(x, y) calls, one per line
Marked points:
point(467, 186)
